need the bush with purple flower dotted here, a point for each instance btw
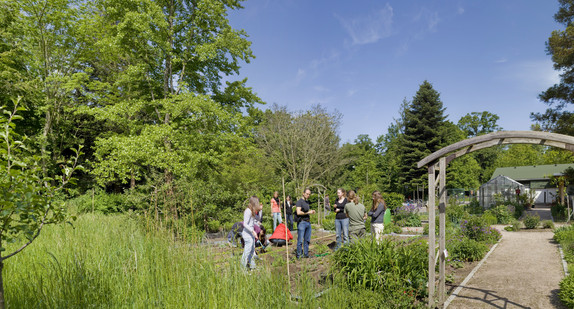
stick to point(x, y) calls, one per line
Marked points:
point(478, 229)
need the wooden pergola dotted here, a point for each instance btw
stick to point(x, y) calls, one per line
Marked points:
point(438, 161)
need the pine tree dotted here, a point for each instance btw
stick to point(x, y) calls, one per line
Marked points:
point(424, 134)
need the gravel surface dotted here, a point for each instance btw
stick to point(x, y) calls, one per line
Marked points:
point(522, 272)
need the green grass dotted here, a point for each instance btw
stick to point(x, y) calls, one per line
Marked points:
point(112, 262)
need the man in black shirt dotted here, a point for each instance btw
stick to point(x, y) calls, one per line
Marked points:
point(304, 226)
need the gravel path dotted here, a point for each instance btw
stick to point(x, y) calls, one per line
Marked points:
point(522, 272)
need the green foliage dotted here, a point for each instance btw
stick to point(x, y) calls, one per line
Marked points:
point(518, 210)
point(501, 213)
point(393, 200)
point(474, 207)
point(384, 266)
point(516, 225)
point(108, 260)
point(466, 249)
point(103, 202)
point(489, 218)
point(565, 236)
point(558, 117)
point(392, 228)
point(559, 211)
point(531, 221)
point(479, 123)
point(407, 215)
point(456, 213)
point(28, 199)
point(567, 290)
point(478, 229)
point(213, 226)
point(547, 224)
point(329, 222)
point(424, 133)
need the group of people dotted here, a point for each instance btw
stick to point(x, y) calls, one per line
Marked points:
point(350, 219)
point(351, 215)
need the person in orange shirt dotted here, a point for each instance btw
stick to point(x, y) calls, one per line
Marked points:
point(276, 210)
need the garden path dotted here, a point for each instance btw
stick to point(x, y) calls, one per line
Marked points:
point(523, 271)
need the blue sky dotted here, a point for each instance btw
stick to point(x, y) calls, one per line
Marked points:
point(363, 58)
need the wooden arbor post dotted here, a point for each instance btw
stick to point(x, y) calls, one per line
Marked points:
point(435, 182)
point(439, 160)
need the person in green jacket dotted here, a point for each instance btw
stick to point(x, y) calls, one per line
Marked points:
point(357, 215)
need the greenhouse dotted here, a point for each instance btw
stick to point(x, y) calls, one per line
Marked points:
point(499, 188)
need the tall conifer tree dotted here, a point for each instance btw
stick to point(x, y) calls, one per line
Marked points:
point(424, 134)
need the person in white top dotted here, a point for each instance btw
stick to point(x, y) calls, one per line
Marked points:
point(250, 217)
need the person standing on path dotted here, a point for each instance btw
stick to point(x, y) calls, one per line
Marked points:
point(341, 220)
point(377, 214)
point(357, 215)
point(304, 225)
point(289, 212)
point(249, 235)
point(276, 209)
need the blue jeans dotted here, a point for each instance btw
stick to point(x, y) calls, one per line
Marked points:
point(303, 235)
point(289, 219)
point(342, 227)
point(276, 219)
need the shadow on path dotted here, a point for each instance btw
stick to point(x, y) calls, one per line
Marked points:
point(489, 297)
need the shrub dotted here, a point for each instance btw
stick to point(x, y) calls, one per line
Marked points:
point(407, 215)
point(466, 249)
point(567, 290)
point(563, 233)
point(393, 200)
point(501, 213)
point(456, 213)
point(392, 228)
point(477, 229)
point(213, 226)
point(474, 207)
point(547, 224)
point(489, 218)
point(518, 210)
point(531, 222)
point(516, 225)
point(558, 211)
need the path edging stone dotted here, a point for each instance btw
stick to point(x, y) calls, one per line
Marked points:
point(470, 275)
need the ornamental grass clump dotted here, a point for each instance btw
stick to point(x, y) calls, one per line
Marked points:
point(388, 267)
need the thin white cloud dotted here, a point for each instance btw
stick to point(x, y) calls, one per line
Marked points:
point(320, 88)
point(534, 75)
point(371, 28)
point(460, 10)
point(501, 60)
point(427, 19)
point(351, 92)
